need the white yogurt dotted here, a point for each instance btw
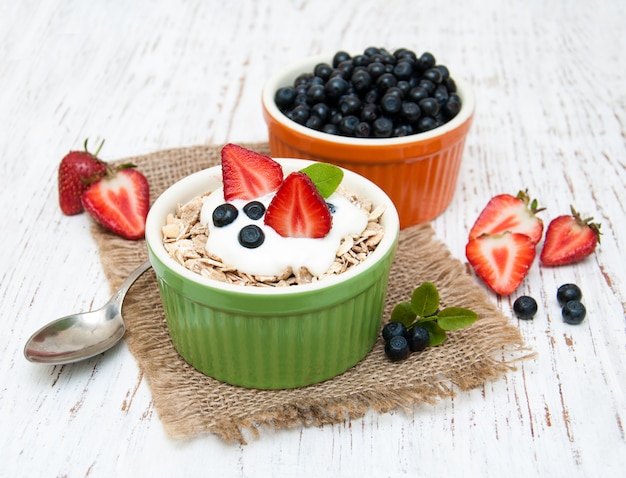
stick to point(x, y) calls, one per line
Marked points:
point(277, 253)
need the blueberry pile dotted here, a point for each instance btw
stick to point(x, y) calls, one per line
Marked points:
point(250, 236)
point(376, 94)
point(400, 341)
point(569, 298)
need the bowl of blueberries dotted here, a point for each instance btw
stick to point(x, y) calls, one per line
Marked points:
point(395, 117)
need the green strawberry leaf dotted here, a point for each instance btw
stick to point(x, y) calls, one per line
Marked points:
point(326, 177)
point(436, 334)
point(425, 299)
point(454, 318)
point(403, 313)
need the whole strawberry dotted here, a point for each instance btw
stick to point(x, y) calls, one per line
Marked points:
point(77, 170)
point(569, 239)
point(120, 201)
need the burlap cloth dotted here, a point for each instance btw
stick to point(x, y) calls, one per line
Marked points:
point(190, 403)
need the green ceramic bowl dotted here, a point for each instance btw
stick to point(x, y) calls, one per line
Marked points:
point(272, 338)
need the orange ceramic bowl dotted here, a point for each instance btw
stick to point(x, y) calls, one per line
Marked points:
point(418, 172)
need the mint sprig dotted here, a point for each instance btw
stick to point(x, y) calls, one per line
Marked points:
point(423, 310)
point(326, 177)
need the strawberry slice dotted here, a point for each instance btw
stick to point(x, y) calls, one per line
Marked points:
point(76, 171)
point(509, 213)
point(120, 202)
point(569, 239)
point(247, 174)
point(502, 260)
point(298, 209)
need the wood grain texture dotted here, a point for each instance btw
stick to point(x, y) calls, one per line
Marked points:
point(147, 75)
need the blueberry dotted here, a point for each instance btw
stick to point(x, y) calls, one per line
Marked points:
point(321, 110)
point(525, 307)
point(393, 329)
point(573, 312)
point(323, 70)
point(251, 236)
point(300, 114)
point(429, 106)
point(254, 210)
point(568, 292)
point(340, 57)
point(434, 75)
point(331, 207)
point(403, 70)
point(397, 348)
point(410, 111)
point(315, 94)
point(314, 122)
point(426, 123)
point(224, 214)
point(383, 127)
point(390, 103)
point(348, 125)
point(336, 86)
point(386, 81)
point(350, 105)
point(451, 108)
point(418, 338)
point(427, 60)
point(417, 94)
point(445, 73)
point(441, 95)
point(375, 69)
point(369, 113)
point(284, 97)
point(330, 128)
point(363, 130)
point(362, 80)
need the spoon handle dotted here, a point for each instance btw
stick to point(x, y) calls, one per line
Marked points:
point(118, 297)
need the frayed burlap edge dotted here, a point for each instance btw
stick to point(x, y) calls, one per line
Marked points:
point(190, 403)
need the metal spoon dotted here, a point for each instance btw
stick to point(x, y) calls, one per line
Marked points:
point(84, 335)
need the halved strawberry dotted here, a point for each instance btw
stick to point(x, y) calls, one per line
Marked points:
point(298, 209)
point(569, 239)
point(120, 202)
point(247, 174)
point(509, 213)
point(502, 260)
point(77, 170)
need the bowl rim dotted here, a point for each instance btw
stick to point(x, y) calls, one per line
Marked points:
point(286, 75)
point(196, 183)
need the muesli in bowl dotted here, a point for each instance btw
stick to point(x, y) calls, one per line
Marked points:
point(259, 301)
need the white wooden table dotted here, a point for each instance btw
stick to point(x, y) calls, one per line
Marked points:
point(146, 75)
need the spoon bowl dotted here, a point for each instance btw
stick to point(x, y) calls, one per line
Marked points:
point(81, 336)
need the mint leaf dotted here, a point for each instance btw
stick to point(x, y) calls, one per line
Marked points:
point(437, 334)
point(326, 177)
point(403, 313)
point(425, 299)
point(454, 318)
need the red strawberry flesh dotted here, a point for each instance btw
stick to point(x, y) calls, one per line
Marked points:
point(120, 203)
point(504, 213)
point(569, 239)
point(502, 261)
point(247, 174)
point(298, 209)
